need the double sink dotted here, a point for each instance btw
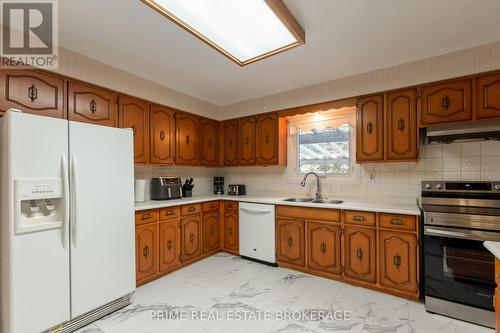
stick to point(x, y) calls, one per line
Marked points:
point(317, 201)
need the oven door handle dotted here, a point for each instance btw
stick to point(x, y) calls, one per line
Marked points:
point(478, 235)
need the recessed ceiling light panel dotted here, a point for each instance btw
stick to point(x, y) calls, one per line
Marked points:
point(243, 30)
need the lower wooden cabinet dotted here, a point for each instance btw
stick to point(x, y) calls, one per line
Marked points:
point(169, 246)
point(323, 249)
point(146, 251)
point(290, 242)
point(360, 254)
point(398, 260)
point(231, 232)
point(190, 238)
point(211, 231)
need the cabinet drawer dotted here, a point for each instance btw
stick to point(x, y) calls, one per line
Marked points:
point(210, 206)
point(359, 218)
point(400, 222)
point(168, 213)
point(231, 205)
point(316, 214)
point(190, 209)
point(146, 216)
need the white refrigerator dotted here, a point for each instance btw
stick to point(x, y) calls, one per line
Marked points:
point(67, 222)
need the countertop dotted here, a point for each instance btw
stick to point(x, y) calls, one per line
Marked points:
point(364, 205)
point(493, 247)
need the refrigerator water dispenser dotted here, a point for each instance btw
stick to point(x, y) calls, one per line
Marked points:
point(38, 205)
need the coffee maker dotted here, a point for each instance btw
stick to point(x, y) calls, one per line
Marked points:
point(218, 185)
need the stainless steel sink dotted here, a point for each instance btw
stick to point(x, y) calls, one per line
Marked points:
point(298, 199)
point(326, 201)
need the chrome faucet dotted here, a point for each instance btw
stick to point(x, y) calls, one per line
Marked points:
point(318, 184)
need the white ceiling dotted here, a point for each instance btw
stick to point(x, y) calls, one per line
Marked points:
point(343, 37)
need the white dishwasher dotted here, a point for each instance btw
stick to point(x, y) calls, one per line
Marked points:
point(257, 232)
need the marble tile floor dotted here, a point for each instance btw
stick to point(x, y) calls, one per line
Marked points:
point(223, 287)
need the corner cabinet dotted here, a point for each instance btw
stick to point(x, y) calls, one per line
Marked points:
point(209, 130)
point(186, 129)
point(134, 114)
point(230, 129)
point(161, 134)
point(370, 129)
point(271, 139)
point(90, 104)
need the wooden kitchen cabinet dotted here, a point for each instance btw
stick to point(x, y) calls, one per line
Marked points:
point(360, 254)
point(190, 238)
point(446, 102)
point(161, 134)
point(401, 125)
point(146, 251)
point(90, 104)
point(208, 142)
point(290, 242)
point(169, 247)
point(488, 96)
point(211, 231)
point(398, 260)
point(231, 232)
point(186, 129)
point(230, 129)
point(323, 247)
point(271, 139)
point(33, 92)
point(247, 141)
point(370, 129)
point(134, 114)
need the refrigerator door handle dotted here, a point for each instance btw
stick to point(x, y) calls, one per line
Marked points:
point(64, 167)
point(74, 206)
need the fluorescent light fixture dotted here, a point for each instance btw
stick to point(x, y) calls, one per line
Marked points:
point(243, 30)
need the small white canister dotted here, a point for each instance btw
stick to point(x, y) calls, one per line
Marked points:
point(140, 190)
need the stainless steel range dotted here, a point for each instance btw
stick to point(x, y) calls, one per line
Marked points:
point(459, 271)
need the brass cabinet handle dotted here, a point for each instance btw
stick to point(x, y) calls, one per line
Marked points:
point(358, 218)
point(445, 102)
point(170, 212)
point(267, 138)
point(191, 238)
point(397, 222)
point(290, 242)
point(230, 231)
point(359, 254)
point(145, 216)
point(247, 141)
point(401, 124)
point(230, 205)
point(397, 260)
point(191, 209)
point(145, 251)
point(162, 135)
point(32, 93)
point(188, 140)
point(323, 247)
point(170, 244)
point(370, 128)
point(93, 106)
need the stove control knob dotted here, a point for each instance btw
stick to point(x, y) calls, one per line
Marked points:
point(439, 186)
point(497, 187)
point(428, 186)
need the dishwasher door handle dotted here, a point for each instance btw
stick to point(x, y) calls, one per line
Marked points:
point(255, 211)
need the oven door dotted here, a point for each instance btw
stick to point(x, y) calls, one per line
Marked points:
point(458, 268)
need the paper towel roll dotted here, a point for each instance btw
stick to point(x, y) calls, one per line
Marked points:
point(140, 190)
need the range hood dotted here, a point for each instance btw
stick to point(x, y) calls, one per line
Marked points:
point(485, 129)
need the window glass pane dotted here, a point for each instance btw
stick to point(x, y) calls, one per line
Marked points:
point(325, 150)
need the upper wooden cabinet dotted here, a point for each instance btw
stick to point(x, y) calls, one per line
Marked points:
point(230, 129)
point(401, 125)
point(446, 102)
point(247, 141)
point(90, 104)
point(488, 96)
point(134, 113)
point(370, 129)
point(271, 139)
point(186, 129)
point(208, 142)
point(32, 92)
point(161, 129)
point(290, 242)
point(359, 252)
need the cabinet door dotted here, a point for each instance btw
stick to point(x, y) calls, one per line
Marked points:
point(370, 129)
point(398, 260)
point(230, 133)
point(32, 92)
point(208, 142)
point(323, 247)
point(210, 231)
point(169, 244)
point(290, 242)
point(359, 251)
point(91, 104)
point(247, 141)
point(134, 113)
point(267, 138)
point(161, 128)
point(146, 252)
point(186, 129)
point(488, 96)
point(446, 102)
point(231, 231)
point(401, 125)
point(190, 238)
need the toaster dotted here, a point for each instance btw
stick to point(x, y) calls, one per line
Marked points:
point(166, 188)
point(237, 189)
